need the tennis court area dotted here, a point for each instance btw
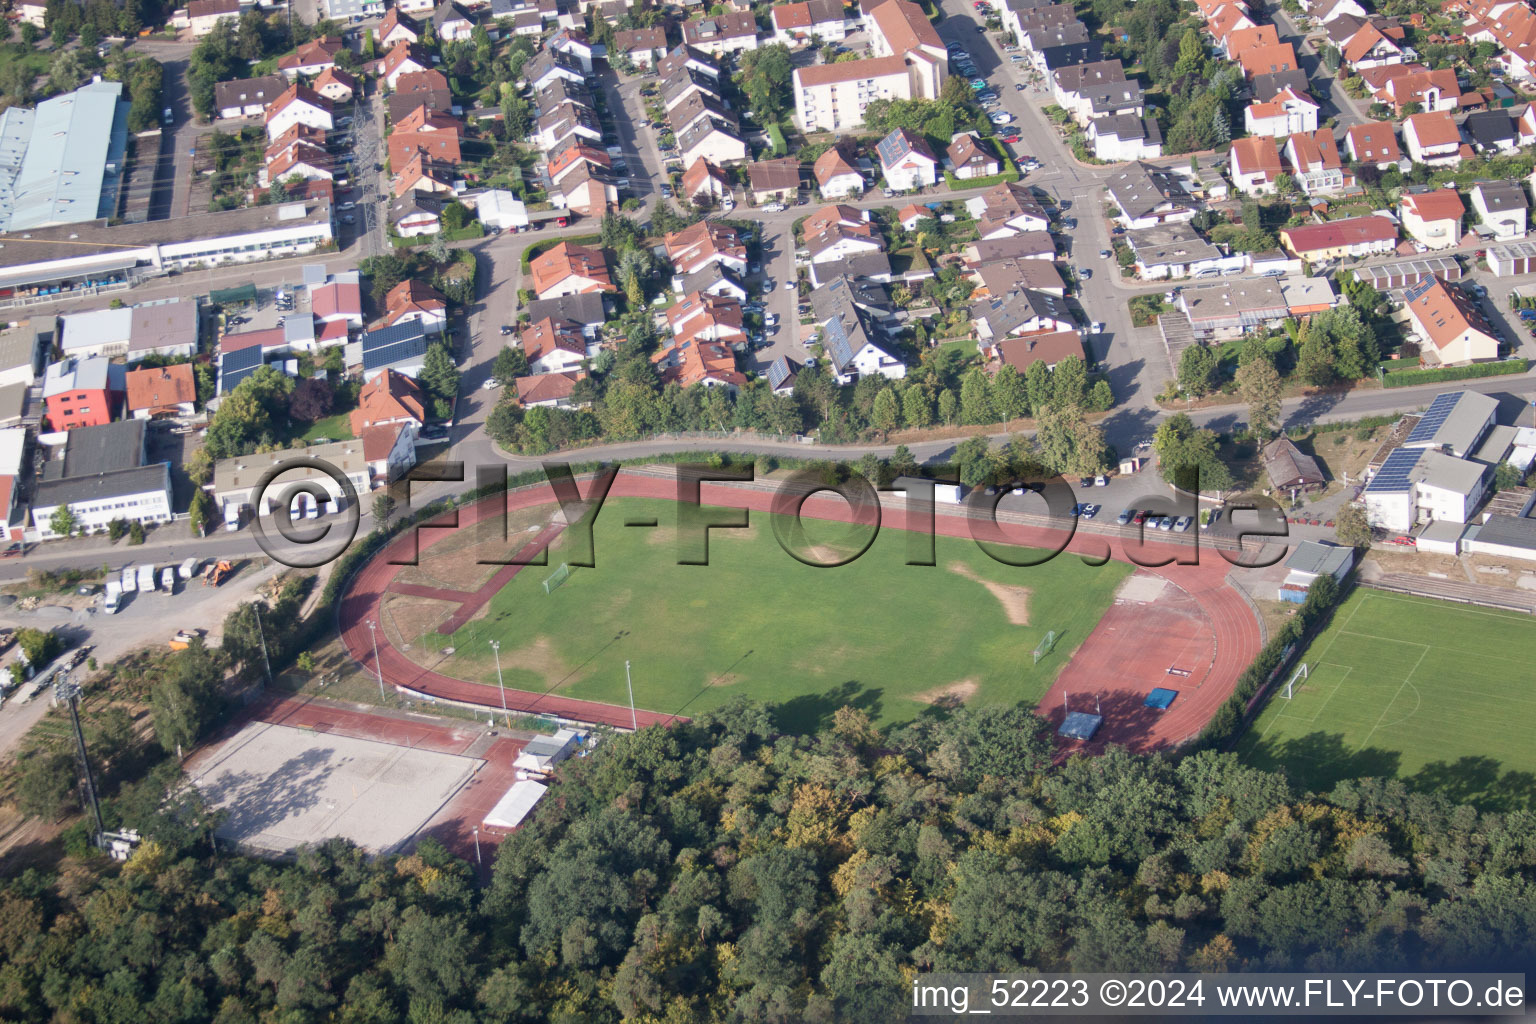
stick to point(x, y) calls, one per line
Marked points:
point(1440, 695)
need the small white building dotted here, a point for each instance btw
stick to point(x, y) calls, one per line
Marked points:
point(502, 210)
point(1415, 486)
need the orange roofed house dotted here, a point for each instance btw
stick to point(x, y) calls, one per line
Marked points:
point(1433, 139)
point(164, 392)
point(1268, 60)
point(1433, 218)
point(389, 397)
point(553, 345)
point(1353, 236)
point(1255, 165)
point(1374, 143)
point(416, 301)
point(1450, 323)
point(570, 269)
point(553, 390)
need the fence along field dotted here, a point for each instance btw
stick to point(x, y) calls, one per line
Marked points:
point(892, 638)
point(1438, 694)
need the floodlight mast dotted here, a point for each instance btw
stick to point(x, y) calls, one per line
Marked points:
point(68, 691)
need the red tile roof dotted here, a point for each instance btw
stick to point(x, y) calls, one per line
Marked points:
point(161, 387)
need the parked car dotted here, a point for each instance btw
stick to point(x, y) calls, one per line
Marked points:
point(1083, 272)
point(1090, 510)
point(1138, 517)
point(506, 329)
point(1000, 117)
point(1105, 254)
point(1125, 517)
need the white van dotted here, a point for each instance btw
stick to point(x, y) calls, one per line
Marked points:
point(168, 579)
point(232, 515)
point(113, 599)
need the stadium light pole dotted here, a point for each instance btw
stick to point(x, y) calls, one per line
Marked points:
point(496, 649)
point(376, 666)
point(477, 846)
point(630, 684)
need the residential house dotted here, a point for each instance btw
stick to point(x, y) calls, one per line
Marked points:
point(299, 105)
point(436, 136)
point(1146, 195)
point(247, 97)
point(834, 96)
point(203, 15)
point(968, 158)
point(1255, 165)
point(1006, 209)
point(1525, 126)
point(1492, 131)
point(548, 390)
point(854, 335)
point(1021, 352)
point(1501, 206)
point(1352, 236)
point(396, 27)
point(905, 159)
point(697, 107)
point(1002, 276)
point(834, 213)
point(810, 21)
point(1240, 40)
point(710, 140)
point(691, 57)
point(1315, 163)
point(1326, 12)
point(731, 32)
point(336, 85)
point(704, 183)
point(1433, 139)
point(1456, 423)
point(573, 43)
point(1177, 251)
point(1226, 21)
point(1286, 114)
point(587, 310)
point(1433, 218)
point(427, 89)
point(340, 299)
point(710, 364)
point(553, 345)
point(781, 375)
point(404, 59)
point(1433, 91)
point(698, 245)
point(1448, 320)
point(1026, 245)
point(898, 28)
point(1267, 87)
point(839, 241)
point(570, 268)
point(81, 392)
point(400, 347)
point(311, 58)
point(700, 317)
point(642, 46)
point(1374, 143)
point(565, 123)
point(1096, 89)
point(413, 301)
point(451, 23)
point(1020, 312)
point(1125, 137)
point(164, 392)
point(415, 214)
point(712, 279)
point(1370, 47)
point(836, 176)
point(547, 65)
point(1269, 59)
point(423, 174)
point(104, 475)
point(684, 83)
point(774, 181)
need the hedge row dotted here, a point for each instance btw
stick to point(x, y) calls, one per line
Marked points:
point(1010, 173)
point(1408, 378)
point(1322, 598)
point(1363, 423)
point(474, 229)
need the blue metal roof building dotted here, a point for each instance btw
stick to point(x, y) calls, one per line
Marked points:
point(62, 162)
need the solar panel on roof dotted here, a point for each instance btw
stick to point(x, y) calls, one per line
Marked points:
point(1413, 291)
point(1434, 417)
point(385, 355)
point(1395, 472)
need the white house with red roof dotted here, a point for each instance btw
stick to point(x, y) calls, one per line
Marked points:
point(1432, 138)
point(339, 299)
point(299, 105)
point(413, 300)
point(906, 160)
point(1285, 114)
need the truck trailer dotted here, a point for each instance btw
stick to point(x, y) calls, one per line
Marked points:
point(130, 579)
point(146, 578)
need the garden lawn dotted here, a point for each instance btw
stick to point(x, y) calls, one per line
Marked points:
point(1440, 695)
point(891, 638)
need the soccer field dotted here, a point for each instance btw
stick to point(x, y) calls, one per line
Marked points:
point(1438, 694)
point(891, 638)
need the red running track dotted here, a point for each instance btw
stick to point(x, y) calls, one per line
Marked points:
point(1234, 633)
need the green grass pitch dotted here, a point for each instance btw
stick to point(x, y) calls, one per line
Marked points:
point(1438, 694)
point(879, 634)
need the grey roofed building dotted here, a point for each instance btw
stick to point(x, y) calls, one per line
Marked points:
point(1040, 275)
point(588, 309)
point(683, 54)
point(90, 451)
point(75, 490)
point(237, 365)
point(1004, 314)
point(701, 131)
point(1507, 531)
point(871, 265)
point(1502, 196)
point(781, 375)
point(163, 324)
point(1267, 86)
point(1449, 472)
point(13, 405)
point(249, 92)
point(1080, 77)
point(1054, 57)
point(685, 80)
point(1113, 97)
point(1046, 16)
point(416, 202)
point(24, 346)
point(1454, 421)
point(398, 343)
point(547, 63)
point(401, 103)
point(1128, 126)
point(1491, 129)
point(1024, 245)
point(1290, 468)
point(699, 104)
point(560, 90)
point(1316, 559)
point(1497, 445)
point(1140, 190)
point(713, 279)
point(1046, 36)
point(62, 161)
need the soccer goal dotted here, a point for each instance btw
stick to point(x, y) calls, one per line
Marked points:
point(1300, 673)
point(557, 577)
point(1045, 646)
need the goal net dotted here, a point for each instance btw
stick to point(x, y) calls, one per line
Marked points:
point(1300, 673)
point(1045, 646)
point(557, 577)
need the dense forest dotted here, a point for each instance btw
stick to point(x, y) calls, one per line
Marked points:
point(719, 871)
